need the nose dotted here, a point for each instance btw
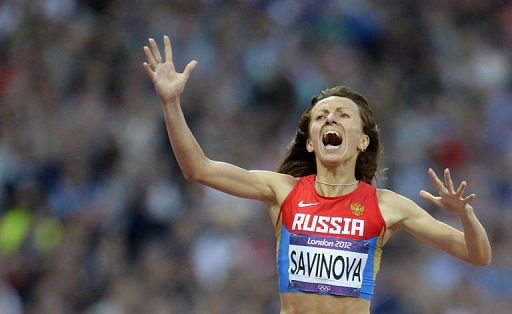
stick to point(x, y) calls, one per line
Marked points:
point(331, 118)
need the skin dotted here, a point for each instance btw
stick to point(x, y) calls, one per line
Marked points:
point(339, 114)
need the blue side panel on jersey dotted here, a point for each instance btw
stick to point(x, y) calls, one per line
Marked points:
point(368, 282)
point(282, 261)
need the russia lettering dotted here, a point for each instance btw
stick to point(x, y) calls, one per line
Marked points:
point(328, 224)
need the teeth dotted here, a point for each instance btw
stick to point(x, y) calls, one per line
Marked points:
point(333, 132)
point(332, 139)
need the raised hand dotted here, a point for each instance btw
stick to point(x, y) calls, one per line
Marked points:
point(169, 84)
point(448, 199)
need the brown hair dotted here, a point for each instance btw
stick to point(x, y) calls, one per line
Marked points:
point(299, 162)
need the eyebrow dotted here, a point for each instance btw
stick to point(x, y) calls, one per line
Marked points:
point(337, 109)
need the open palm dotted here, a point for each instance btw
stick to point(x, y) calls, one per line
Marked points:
point(449, 199)
point(168, 83)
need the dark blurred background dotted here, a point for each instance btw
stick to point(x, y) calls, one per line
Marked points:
point(95, 216)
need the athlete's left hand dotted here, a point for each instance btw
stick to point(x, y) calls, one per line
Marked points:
point(449, 199)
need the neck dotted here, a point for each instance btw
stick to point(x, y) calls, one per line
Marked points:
point(336, 184)
point(332, 185)
point(337, 179)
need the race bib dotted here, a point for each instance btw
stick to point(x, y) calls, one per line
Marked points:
point(327, 265)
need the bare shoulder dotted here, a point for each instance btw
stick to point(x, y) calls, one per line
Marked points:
point(388, 197)
point(394, 207)
point(281, 184)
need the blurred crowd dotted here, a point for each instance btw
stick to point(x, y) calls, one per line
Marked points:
point(95, 216)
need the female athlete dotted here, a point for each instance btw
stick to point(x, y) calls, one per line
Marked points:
point(331, 222)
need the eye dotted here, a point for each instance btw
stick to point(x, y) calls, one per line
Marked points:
point(320, 118)
point(345, 115)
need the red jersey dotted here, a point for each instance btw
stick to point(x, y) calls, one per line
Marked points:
point(330, 245)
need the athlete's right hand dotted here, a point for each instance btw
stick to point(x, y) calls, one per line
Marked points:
point(169, 84)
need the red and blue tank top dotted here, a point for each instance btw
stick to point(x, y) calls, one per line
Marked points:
point(330, 245)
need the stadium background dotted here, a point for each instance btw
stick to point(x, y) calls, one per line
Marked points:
point(95, 216)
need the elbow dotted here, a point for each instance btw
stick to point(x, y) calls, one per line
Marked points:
point(481, 261)
point(191, 176)
point(194, 173)
point(188, 176)
point(484, 262)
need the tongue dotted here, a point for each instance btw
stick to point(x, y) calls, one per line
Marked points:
point(331, 139)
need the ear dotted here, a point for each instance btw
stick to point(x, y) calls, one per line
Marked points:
point(364, 141)
point(309, 146)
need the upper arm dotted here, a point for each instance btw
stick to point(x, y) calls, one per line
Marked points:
point(419, 223)
point(255, 184)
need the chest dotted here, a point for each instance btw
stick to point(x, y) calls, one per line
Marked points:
point(356, 217)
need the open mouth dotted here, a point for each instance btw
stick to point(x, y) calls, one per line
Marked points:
point(332, 139)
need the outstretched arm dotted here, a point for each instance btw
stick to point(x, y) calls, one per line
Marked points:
point(477, 246)
point(195, 166)
point(470, 245)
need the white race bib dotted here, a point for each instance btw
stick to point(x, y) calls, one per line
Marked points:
point(327, 265)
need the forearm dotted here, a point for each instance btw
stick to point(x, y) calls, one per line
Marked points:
point(187, 151)
point(477, 244)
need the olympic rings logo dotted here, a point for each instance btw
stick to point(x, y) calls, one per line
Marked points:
point(324, 288)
